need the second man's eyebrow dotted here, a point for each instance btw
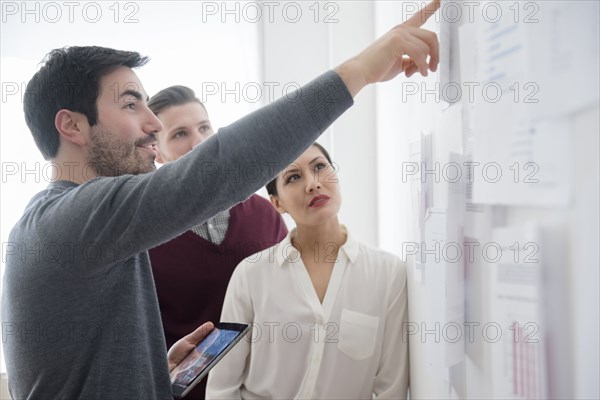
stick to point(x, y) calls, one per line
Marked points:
point(178, 128)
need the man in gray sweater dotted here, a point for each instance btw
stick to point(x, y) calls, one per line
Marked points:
point(80, 317)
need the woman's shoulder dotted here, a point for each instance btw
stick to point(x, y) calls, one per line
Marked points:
point(381, 260)
point(372, 252)
point(264, 260)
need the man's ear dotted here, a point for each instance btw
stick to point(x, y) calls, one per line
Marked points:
point(72, 126)
point(277, 204)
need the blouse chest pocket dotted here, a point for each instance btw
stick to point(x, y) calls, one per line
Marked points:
point(358, 334)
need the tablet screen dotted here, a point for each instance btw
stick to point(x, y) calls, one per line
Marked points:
point(205, 352)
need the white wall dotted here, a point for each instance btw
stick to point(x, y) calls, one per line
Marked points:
point(570, 239)
point(401, 120)
point(4, 387)
point(297, 52)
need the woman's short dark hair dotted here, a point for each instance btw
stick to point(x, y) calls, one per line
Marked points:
point(69, 79)
point(271, 186)
point(172, 96)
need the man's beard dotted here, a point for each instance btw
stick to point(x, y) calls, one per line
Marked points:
point(110, 156)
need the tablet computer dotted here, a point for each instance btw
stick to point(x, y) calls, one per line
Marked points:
point(195, 366)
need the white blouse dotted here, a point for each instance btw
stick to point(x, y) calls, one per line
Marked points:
point(352, 346)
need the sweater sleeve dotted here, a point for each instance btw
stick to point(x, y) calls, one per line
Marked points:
point(125, 215)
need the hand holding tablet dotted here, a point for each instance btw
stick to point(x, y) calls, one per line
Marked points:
point(196, 365)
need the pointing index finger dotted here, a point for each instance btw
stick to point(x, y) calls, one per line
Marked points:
point(423, 15)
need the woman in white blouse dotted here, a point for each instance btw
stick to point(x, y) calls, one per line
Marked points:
point(328, 313)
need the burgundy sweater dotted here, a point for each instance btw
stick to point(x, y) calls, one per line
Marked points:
point(192, 274)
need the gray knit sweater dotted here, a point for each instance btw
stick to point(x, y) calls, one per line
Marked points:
point(80, 317)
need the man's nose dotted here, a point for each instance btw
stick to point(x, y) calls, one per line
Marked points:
point(152, 123)
point(197, 139)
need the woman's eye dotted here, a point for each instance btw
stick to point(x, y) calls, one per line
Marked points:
point(293, 178)
point(130, 106)
point(180, 134)
point(320, 166)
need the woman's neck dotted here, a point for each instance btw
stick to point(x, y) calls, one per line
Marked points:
point(327, 238)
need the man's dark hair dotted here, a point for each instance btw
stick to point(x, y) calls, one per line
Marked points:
point(69, 79)
point(172, 96)
point(271, 186)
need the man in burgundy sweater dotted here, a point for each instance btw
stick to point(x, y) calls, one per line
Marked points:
point(192, 271)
